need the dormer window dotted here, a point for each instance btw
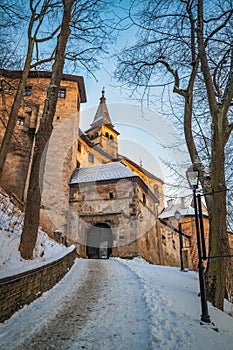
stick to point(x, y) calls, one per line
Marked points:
point(62, 92)
point(94, 136)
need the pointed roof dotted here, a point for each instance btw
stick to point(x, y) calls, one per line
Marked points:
point(102, 115)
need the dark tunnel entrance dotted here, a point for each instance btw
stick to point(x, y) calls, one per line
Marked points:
point(99, 241)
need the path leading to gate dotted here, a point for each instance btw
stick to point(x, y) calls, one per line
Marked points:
point(102, 308)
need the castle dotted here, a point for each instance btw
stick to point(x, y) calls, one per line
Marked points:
point(103, 202)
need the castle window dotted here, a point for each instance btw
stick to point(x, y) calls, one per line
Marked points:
point(111, 140)
point(173, 244)
point(79, 146)
point(111, 196)
point(144, 199)
point(94, 136)
point(107, 134)
point(62, 92)
point(27, 91)
point(21, 121)
point(164, 240)
point(156, 190)
point(91, 157)
point(29, 113)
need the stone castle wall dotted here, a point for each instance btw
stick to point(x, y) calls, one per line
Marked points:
point(19, 290)
point(129, 211)
point(61, 152)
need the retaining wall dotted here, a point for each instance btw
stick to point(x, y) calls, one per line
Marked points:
point(19, 290)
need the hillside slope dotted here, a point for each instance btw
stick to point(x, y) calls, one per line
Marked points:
point(11, 220)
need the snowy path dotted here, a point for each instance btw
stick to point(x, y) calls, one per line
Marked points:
point(98, 312)
point(118, 304)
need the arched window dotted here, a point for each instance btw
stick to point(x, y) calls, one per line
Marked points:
point(107, 134)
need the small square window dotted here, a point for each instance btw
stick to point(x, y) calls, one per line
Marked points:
point(111, 196)
point(27, 91)
point(21, 121)
point(91, 157)
point(62, 92)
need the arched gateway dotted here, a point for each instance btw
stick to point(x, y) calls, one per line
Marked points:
point(99, 241)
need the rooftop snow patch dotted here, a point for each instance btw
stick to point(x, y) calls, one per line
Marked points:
point(103, 172)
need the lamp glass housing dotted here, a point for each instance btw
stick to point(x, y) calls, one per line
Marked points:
point(177, 215)
point(193, 178)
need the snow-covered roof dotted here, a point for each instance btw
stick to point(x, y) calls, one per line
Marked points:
point(185, 207)
point(102, 172)
point(169, 212)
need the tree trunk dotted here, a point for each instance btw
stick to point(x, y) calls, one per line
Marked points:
point(5, 146)
point(32, 212)
point(216, 203)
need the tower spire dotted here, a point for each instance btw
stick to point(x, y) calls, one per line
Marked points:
point(102, 115)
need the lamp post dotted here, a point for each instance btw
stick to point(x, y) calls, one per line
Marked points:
point(193, 179)
point(177, 216)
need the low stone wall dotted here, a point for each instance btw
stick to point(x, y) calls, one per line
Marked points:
point(19, 290)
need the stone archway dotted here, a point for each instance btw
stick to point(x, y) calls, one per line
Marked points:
point(99, 241)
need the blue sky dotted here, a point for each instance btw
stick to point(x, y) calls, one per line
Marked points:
point(145, 135)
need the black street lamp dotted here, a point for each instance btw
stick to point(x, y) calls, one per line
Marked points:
point(177, 216)
point(193, 179)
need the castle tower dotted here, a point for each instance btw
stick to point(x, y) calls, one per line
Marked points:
point(102, 132)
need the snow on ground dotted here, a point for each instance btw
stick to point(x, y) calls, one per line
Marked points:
point(167, 313)
point(11, 219)
point(125, 300)
point(174, 308)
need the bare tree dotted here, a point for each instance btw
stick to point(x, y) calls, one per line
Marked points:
point(188, 44)
point(13, 16)
point(38, 14)
point(79, 41)
point(31, 220)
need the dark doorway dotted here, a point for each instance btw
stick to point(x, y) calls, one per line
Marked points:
point(99, 241)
